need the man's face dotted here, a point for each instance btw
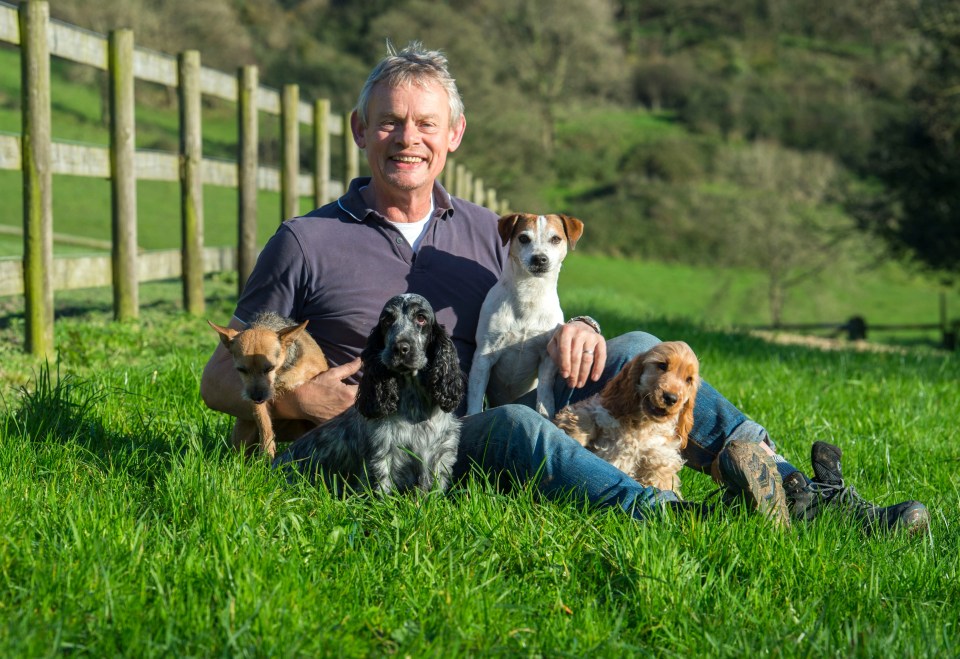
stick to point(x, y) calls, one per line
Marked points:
point(408, 135)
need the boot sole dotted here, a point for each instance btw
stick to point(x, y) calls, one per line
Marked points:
point(751, 475)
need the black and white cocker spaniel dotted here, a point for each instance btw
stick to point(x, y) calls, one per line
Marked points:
point(401, 433)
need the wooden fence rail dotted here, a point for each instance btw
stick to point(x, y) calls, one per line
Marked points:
point(38, 157)
point(856, 328)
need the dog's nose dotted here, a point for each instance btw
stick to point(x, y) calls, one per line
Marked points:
point(670, 398)
point(539, 259)
point(402, 347)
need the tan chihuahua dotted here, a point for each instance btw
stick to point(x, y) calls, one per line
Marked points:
point(273, 355)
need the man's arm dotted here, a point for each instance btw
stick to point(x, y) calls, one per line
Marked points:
point(318, 400)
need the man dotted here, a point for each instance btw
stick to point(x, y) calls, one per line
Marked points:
point(398, 231)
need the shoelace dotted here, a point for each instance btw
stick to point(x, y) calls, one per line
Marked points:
point(844, 495)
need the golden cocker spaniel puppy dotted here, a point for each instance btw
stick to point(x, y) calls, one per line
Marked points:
point(639, 422)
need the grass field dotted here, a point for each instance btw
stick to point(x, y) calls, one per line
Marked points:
point(129, 528)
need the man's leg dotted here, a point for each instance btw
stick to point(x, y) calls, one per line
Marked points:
point(717, 423)
point(515, 443)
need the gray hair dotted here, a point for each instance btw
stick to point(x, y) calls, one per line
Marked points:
point(412, 65)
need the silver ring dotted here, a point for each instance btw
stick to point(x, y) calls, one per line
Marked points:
point(587, 352)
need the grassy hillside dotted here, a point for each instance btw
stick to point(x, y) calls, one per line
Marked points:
point(737, 297)
point(594, 145)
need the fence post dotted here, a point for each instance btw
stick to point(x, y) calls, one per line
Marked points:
point(459, 183)
point(123, 176)
point(289, 152)
point(450, 176)
point(478, 192)
point(191, 181)
point(491, 200)
point(351, 154)
point(321, 152)
point(37, 177)
point(247, 163)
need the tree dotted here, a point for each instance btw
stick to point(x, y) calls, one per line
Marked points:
point(780, 220)
point(919, 161)
point(553, 51)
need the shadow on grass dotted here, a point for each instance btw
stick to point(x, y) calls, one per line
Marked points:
point(68, 410)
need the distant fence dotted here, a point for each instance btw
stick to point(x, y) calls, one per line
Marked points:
point(39, 157)
point(857, 328)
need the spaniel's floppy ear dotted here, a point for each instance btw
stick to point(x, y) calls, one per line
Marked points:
point(685, 421)
point(379, 392)
point(573, 228)
point(619, 397)
point(443, 376)
point(506, 225)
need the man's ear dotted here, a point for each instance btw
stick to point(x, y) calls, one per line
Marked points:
point(359, 132)
point(456, 133)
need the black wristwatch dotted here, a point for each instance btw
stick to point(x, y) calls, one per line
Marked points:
point(587, 320)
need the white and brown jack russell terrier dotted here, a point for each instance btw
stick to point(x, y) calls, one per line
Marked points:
point(521, 313)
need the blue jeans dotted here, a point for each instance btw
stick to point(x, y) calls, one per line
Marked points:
point(515, 444)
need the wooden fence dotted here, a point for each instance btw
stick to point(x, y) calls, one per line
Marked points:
point(39, 157)
point(856, 328)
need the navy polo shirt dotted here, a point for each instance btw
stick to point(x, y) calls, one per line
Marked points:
point(339, 264)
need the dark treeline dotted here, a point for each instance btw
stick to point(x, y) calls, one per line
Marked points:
point(778, 134)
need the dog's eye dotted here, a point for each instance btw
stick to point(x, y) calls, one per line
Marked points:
point(690, 380)
point(387, 320)
point(242, 369)
point(269, 369)
point(556, 240)
point(421, 319)
point(523, 239)
point(662, 366)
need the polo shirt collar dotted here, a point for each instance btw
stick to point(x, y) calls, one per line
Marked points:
point(352, 202)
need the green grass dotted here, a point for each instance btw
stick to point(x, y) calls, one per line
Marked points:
point(130, 529)
point(725, 298)
point(81, 207)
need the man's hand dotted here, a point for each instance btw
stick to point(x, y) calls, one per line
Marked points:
point(579, 352)
point(322, 398)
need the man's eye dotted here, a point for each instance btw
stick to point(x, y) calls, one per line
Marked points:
point(523, 239)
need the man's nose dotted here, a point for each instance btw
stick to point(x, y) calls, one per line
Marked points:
point(408, 134)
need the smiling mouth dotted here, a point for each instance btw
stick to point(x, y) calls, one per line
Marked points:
point(654, 410)
point(408, 160)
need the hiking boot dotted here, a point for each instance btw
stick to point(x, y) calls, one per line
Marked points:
point(803, 500)
point(807, 498)
point(750, 476)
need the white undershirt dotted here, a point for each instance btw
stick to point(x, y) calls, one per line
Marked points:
point(413, 231)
